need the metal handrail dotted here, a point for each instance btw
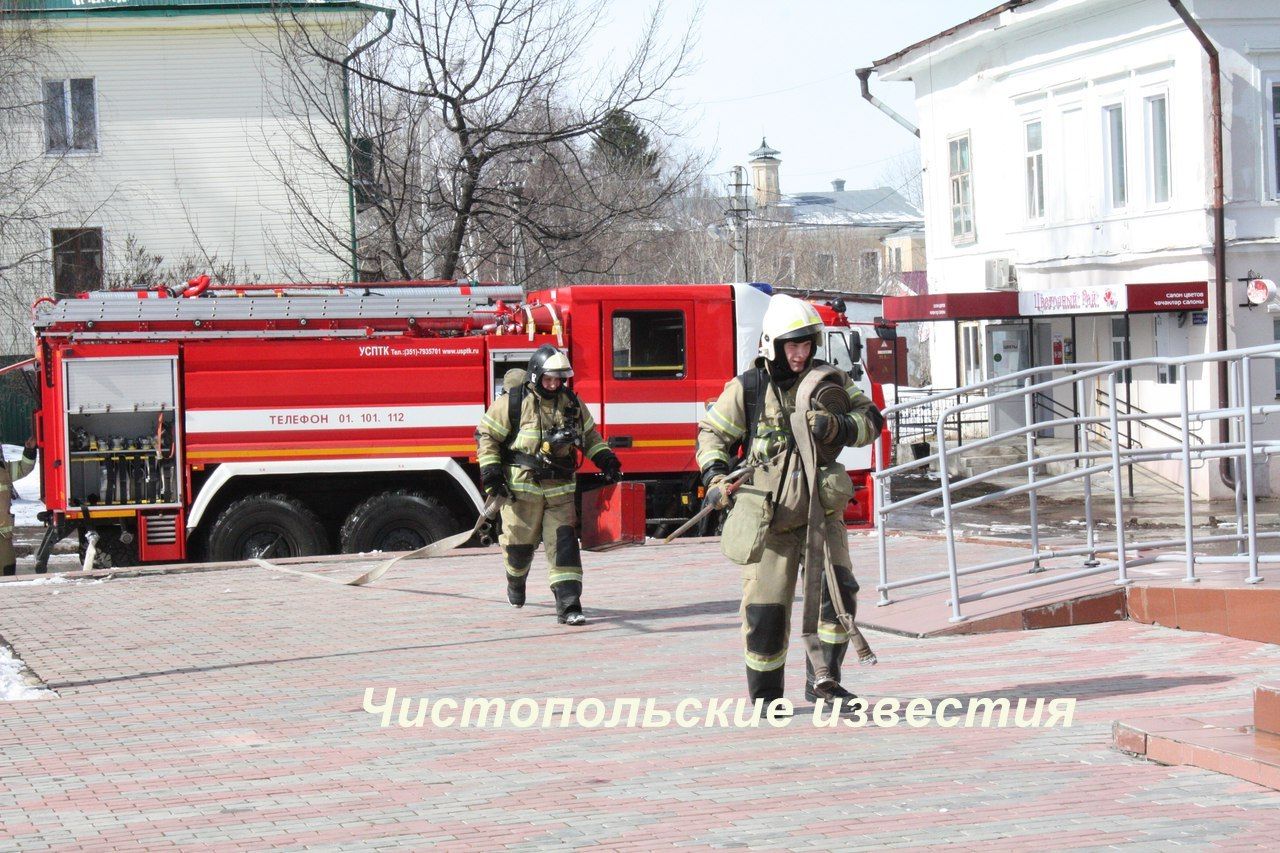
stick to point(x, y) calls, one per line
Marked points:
point(1119, 454)
point(1162, 426)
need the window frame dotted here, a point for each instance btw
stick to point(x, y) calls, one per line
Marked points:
point(68, 115)
point(960, 191)
point(1108, 156)
point(1148, 100)
point(872, 270)
point(629, 371)
point(1122, 339)
point(1034, 196)
point(53, 259)
point(1074, 157)
point(1275, 336)
point(1271, 124)
point(817, 267)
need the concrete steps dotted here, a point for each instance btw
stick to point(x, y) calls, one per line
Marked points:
point(1246, 747)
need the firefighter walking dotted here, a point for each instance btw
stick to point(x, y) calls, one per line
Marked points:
point(528, 443)
point(767, 529)
point(12, 471)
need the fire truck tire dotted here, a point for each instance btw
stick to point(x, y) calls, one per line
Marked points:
point(111, 552)
point(266, 526)
point(396, 521)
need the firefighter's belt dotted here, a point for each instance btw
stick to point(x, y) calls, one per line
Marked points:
point(541, 467)
point(816, 555)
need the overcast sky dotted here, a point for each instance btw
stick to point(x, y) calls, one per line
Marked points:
point(784, 69)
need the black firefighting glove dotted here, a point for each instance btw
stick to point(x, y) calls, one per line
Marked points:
point(494, 482)
point(610, 467)
point(713, 471)
point(876, 417)
point(824, 426)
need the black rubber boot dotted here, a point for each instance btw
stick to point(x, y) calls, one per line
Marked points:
point(515, 591)
point(765, 685)
point(568, 595)
point(829, 688)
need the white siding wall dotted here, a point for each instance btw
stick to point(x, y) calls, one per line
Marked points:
point(189, 121)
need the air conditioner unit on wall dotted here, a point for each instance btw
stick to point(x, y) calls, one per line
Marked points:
point(1001, 275)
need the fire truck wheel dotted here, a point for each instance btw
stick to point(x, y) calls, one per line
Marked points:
point(111, 552)
point(266, 526)
point(396, 521)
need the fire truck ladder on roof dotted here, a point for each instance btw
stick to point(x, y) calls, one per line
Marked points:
point(1106, 455)
point(83, 317)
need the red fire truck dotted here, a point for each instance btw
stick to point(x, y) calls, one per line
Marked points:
point(223, 423)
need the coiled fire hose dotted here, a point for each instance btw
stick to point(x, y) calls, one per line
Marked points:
point(815, 393)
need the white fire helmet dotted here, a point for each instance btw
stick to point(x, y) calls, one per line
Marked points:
point(787, 319)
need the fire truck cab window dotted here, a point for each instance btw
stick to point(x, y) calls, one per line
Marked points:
point(648, 345)
point(837, 351)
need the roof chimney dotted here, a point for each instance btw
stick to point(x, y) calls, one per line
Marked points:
point(837, 186)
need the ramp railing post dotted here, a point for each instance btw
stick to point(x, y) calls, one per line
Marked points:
point(1028, 401)
point(1082, 439)
point(1187, 523)
point(1233, 435)
point(881, 520)
point(1122, 576)
point(1250, 502)
point(945, 484)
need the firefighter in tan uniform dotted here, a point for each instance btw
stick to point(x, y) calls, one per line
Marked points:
point(10, 472)
point(790, 335)
point(533, 462)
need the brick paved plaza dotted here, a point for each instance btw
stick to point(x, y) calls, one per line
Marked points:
point(224, 707)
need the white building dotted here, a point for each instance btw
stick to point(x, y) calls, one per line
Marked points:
point(170, 122)
point(1067, 147)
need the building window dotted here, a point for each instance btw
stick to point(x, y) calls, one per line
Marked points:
point(70, 116)
point(77, 260)
point(1073, 166)
point(1275, 139)
point(897, 259)
point(648, 345)
point(1172, 341)
point(971, 354)
point(1275, 335)
point(1035, 170)
point(1120, 345)
point(826, 268)
point(962, 230)
point(1117, 195)
point(1157, 123)
point(871, 266)
point(364, 171)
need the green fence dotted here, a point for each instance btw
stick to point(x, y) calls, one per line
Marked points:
point(16, 403)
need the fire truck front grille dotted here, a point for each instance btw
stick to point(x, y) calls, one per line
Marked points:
point(161, 529)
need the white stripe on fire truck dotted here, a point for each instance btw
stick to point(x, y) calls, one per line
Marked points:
point(618, 414)
point(345, 418)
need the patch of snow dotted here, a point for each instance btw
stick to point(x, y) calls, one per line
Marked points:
point(37, 582)
point(13, 687)
point(26, 492)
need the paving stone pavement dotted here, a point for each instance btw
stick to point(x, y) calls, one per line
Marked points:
point(224, 708)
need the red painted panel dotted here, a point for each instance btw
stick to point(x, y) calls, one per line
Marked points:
point(952, 306)
point(1179, 296)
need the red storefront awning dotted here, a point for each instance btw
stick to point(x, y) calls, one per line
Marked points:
point(987, 305)
point(1053, 302)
